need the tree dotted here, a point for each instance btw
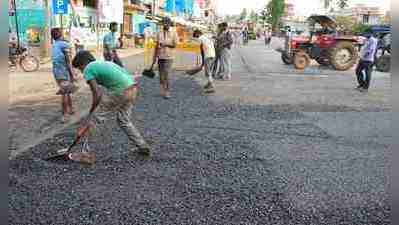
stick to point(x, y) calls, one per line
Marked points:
point(243, 14)
point(253, 16)
point(342, 4)
point(360, 28)
point(326, 4)
point(273, 12)
point(345, 23)
point(231, 18)
point(329, 4)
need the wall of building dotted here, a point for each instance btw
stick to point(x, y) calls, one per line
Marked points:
point(360, 12)
point(30, 21)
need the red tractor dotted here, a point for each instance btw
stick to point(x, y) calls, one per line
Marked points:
point(324, 45)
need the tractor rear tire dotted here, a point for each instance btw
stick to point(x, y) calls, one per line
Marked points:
point(287, 60)
point(336, 60)
point(301, 60)
point(383, 63)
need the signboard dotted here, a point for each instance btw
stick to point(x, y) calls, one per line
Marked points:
point(186, 46)
point(60, 6)
point(28, 4)
point(110, 11)
point(31, 22)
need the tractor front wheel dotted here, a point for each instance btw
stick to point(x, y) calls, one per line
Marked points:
point(301, 60)
point(286, 58)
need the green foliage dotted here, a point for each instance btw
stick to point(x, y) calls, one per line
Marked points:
point(361, 28)
point(345, 23)
point(243, 14)
point(253, 17)
point(273, 13)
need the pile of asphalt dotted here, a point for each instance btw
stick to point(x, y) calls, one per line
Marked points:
point(212, 163)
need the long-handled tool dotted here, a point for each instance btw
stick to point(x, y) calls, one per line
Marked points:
point(66, 153)
point(194, 71)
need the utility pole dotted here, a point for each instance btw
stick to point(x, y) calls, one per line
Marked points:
point(16, 23)
point(47, 28)
point(153, 8)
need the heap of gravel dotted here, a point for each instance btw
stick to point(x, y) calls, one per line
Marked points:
point(212, 163)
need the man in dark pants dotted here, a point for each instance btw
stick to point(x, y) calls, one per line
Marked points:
point(110, 45)
point(165, 44)
point(366, 62)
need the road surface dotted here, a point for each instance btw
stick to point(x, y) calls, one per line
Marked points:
point(272, 146)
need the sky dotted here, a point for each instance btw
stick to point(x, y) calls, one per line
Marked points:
point(302, 7)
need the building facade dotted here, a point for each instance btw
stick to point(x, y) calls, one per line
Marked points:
point(87, 21)
point(363, 14)
point(27, 18)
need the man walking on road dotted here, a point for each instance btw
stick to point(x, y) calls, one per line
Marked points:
point(121, 89)
point(208, 58)
point(110, 45)
point(166, 42)
point(224, 42)
point(245, 34)
point(268, 36)
point(366, 62)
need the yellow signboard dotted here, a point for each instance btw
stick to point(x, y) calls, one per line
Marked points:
point(189, 47)
point(182, 46)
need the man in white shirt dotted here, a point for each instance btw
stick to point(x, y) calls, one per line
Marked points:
point(208, 58)
point(366, 62)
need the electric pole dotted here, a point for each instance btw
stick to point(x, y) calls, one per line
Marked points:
point(16, 23)
point(47, 28)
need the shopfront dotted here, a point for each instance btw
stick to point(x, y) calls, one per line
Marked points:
point(29, 18)
point(84, 28)
point(134, 23)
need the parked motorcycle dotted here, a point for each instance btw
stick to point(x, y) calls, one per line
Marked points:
point(21, 56)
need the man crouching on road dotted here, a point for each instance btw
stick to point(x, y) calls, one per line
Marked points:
point(121, 88)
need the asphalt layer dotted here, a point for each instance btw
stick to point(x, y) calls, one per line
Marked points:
point(213, 162)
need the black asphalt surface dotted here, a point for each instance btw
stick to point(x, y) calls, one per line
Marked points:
point(213, 162)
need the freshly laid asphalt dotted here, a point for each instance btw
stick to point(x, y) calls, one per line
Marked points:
point(214, 161)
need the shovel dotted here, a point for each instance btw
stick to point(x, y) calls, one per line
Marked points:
point(66, 153)
point(194, 71)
